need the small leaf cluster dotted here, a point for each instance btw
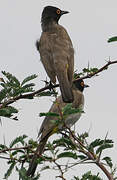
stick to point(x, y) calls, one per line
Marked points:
point(10, 88)
point(22, 174)
point(20, 152)
point(47, 93)
point(85, 71)
point(88, 176)
point(66, 111)
point(8, 111)
point(12, 155)
point(98, 146)
point(112, 39)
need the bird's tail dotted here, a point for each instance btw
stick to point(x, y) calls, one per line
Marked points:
point(66, 88)
point(33, 164)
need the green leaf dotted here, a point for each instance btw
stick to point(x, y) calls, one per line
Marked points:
point(19, 139)
point(23, 176)
point(10, 169)
point(47, 93)
point(32, 143)
point(45, 168)
point(102, 147)
point(94, 69)
point(64, 142)
point(112, 39)
point(8, 111)
point(89, 176)
point(99, 142)
point(11, 78)
point(96, 142)
point(76, 178)
point(86, 175)
point(28, 86)
point(67, 154)
point(17, 151)
point(86, 70)
point(49, 114)
point(47, 158)
point(29, 78)
point(2, 94)
point(108, 161)
point(81, 157)
point(67, 110)
point(2, 146)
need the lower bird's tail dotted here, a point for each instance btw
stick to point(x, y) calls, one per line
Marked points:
point(33, 164)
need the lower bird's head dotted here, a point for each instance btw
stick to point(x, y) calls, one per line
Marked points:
point(79, 84)
point(52, 13)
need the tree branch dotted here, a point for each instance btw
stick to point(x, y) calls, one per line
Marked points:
point(31, 95)
point(99, 70)
point(92, 156)
point(13, 149)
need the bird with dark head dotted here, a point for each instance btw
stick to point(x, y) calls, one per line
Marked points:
point(48, 126)
point(56, 51)
point(51, 13)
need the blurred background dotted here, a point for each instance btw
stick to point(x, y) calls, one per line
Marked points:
point(89, 24)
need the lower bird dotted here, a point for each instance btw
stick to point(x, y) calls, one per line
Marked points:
point(49, 126)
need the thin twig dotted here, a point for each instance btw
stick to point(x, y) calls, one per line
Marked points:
point(60, 169)
point(2, 157)
point(13, 149)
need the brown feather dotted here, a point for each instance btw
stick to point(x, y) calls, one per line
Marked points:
point(57, 55)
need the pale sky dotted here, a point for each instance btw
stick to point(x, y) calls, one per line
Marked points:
point(89, 24)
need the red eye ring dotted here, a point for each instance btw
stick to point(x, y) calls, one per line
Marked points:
point(58, 11)
point(82, 84)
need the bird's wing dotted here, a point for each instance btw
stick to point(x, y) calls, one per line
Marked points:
point(44, 47)
point(49, 123)
point(63, 59)
point(63, 52)
point(78, 103)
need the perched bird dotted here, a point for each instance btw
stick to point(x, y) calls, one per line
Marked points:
point(56, 51)
point(49, 125)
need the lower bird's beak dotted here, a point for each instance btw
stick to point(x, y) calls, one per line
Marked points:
point(64, 12)
point(85, 85)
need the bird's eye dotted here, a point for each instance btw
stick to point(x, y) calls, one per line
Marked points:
point(58, 11)
point(82, 84)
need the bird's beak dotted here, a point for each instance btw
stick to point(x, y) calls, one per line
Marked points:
point(85, 85)
point(64, 12)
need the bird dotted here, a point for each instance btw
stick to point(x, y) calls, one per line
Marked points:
point(56, 51)
point(49, 125)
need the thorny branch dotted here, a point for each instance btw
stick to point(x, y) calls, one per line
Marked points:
point(13, 149)
point(91, 156)
point(99, 70)
point(80, 147)
point(29, 95)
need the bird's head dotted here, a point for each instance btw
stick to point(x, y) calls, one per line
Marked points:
point(52, 13)
point(79, 84)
